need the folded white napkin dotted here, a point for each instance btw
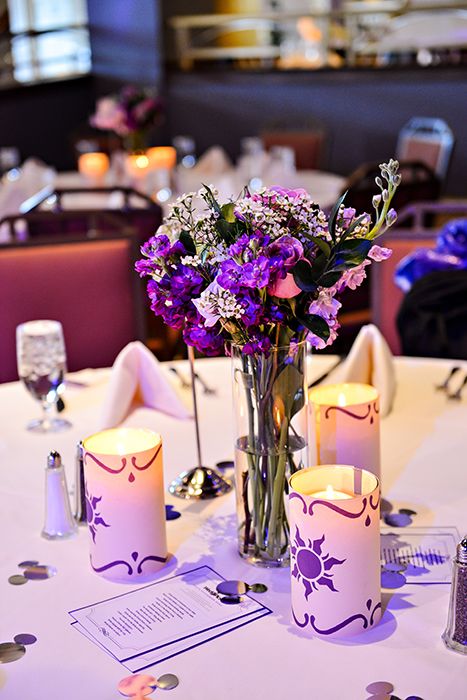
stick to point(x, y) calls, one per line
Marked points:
point(137, 379)
point(370, 361)
point(214, 161)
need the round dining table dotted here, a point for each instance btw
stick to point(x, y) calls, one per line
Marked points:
point(424, 469)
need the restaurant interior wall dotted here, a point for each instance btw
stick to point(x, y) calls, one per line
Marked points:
point(361, 110)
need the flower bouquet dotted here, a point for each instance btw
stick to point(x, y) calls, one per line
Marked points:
point(261, 276)
point(130, 114)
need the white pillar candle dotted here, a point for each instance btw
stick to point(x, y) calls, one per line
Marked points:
point(125, 503)
point(345, 426)
point(335, 551)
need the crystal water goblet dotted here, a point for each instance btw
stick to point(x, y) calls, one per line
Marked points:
point(41, 357)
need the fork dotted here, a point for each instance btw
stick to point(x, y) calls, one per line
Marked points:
point(444, 386)
point(185, 384)
point(457, 395)
point(208, 390)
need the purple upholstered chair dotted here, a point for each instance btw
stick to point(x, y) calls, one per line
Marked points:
point(89, 286)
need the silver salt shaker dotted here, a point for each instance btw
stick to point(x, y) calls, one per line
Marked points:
point(59, 521)
point(455, 634)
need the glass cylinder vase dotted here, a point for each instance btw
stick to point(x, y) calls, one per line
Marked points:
point(270, 400)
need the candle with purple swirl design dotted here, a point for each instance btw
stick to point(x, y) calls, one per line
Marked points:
point(334, 550)
point(125, 504)
point(345, 426)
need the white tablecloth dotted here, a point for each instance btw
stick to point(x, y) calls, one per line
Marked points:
point(424, 468)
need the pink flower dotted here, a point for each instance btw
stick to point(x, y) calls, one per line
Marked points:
point(354, 277)
point(284, 288)
point(293, 194)
point(318, 343)
point(109, 115)
point(325, 305)
point(378, 254)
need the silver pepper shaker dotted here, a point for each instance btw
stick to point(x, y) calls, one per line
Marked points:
point(59, 521)
point(80, 489)
point(455, 634)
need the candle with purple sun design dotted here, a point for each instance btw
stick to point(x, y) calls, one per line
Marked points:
point(334, 550)
point(125, 504)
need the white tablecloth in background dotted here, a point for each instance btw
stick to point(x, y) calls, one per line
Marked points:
point(424, 468)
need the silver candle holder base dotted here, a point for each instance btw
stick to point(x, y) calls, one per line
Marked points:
point(200, 482)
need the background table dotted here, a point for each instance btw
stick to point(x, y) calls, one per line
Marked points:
point(424, 468)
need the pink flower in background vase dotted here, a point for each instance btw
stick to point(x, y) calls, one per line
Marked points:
point(109, 115)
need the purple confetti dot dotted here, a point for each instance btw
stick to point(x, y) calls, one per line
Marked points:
point(380, 687)
point(397, 519)
point(25, 639)
point(172, 514)
point(407, 511)
point(392, 579)
point(413, 697)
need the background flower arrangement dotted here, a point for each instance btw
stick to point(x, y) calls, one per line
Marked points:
point(130, 114)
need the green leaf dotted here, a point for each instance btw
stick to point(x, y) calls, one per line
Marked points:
point(333, 215)
point(321, 243)
point(287, 390)
point(226, 230)
point(350, 253)
point(329, 279)
point(316, 325)
point(227, 211)
point(352, 227)
point(188, 243)
point(210, 199)
point(303, 276)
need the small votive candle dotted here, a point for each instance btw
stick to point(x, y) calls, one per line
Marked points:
point(93, 165)
point(345, 426)
point(334, 550)
point(125, 508)
point(162, 157)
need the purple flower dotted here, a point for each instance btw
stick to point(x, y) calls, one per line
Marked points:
point(157, 245)
point(256, 273)
point(348, 215)
point(288, 249)
point(206, 340)
point(257, 343)
point(230, 276)
point(253, 309)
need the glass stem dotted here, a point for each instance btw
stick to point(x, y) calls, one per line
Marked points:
point(47, 409)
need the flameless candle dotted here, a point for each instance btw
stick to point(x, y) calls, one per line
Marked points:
point(335, 550)
point(93, 165)
point(345, 425)
point(331, 494)
point(125, 503)
point(164, 157)
point(137, 165)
